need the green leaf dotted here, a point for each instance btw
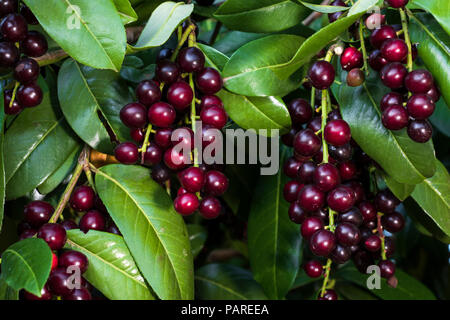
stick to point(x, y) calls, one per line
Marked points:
point(6, 292)
point(324, 8)
point(37, 143)
point(155, 234)
point(401, 158)
point(249, 112)
point(269, 227)
point(226, 282)
point(434, 49)
point(400, 190)
point(89, 31)
point(61, 173)
point(87, 97)
point(197, 237)
point(2, 160)
point(163, 21)
point(112, 269)
point(263, 16)
point(133, 71)
point(408, 287)
point(438, 8)
point(249, 71)
point(433, 196)
point(233, 40)
point(126, 11)
point(26, 265)
point(352, 292)
point(441, 117)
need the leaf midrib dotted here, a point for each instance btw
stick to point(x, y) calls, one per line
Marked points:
point(217, 284)
point(26, 264)
point(278, 4)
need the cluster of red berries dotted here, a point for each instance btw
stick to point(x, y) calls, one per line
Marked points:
point(36, 223)
point(159, 121)
point(16, 47)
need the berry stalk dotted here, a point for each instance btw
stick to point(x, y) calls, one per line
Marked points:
point(407, 39)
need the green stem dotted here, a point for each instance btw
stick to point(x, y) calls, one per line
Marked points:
point(313, 98)
point(381, 235)
point(326, 277)
point(13, 96)
point(324, 109)
point(183, 39)
point(407, 39)
point(146, 143)
point(363, 45)
point(191, 43)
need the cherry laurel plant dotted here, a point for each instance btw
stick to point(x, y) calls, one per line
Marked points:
point(109, 109)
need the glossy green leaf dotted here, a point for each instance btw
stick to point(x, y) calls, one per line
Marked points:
point(155, 234)
point(438, 8)
point(37, 143)
point(26, 265)
point(6, 292)
point(269, 227)
point(249, 112)
point(350, 291)
point(408, 287)
point(249, 71)
point(126, 11)
point(262, 16)
point(89, 31)
point(324, 8)
point(61, 173)
point(404, 160)
point(112, 269)
point(441, 117)
point(400, 190)
point(197, 237)
point(434, 49)
point(133, 70)
point(233, 40)
point(163, 21)
point(87, 97)
point(226, 282)
point(433, 196)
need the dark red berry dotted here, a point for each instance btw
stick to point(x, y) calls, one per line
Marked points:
point(38, 212)
point(138, 135)
point(355, 77)
point(296, 213)
point(167, 71)
point(180, 95)
point(387, 268)
point(153, 155)
point(420, 131)
point(78, 294)
point(30, 233)
point(34, 45)
point(26, 70)
point(306, 171)
point(393, 222)
point(28, 15)
point(358, 189)
point(60, 281)
point(341, 199)
point(163, 54)
point(69, 225)
point(313, 269)
point(300, 110)
point(291, 190)
point(191, 59)
point(186, 204)
point(45, 293)
point(391, 99)
point(291, 167)
point(347, 234)
point(14, 27)
point(148, 92)
point(214, 116)
point(376, 60)
point(161, 114)
point(332, 17)
point(192, 179)
point(329, 295)
point(92, 220)
point(184, 136)
point(311, 198)
point(341, 254)
point(9, 54)
point(216, 183)
point(434, 94)
point(372, 243)
point(315, 124)
point(163, 137)
point(385, 201)
point(288, 138)
point(209, 81)
point(15, 108)
point(311, 225)
point(368, 211)
point(394, 50)
point(352, 216)
point(395, 117)
point(74, 258)
point(419, 81)
point(347, 170)
point(420, 106)
point(326, 177)
point(82, 198)
point(134, 115)
point(321, 74)
point(382, 34)
point(176, 160)
point(54, 234)
point(29, 95)
point(306, 143)
point(160, 173)
point(351, 58)
point(210, 208)
point(337, 132)
point(7, 7)
point(127, 153)
point(341, 153)
point(322, 243)
point(393, 75)
point(210, 100)
point(112, 228)
point(397, 3)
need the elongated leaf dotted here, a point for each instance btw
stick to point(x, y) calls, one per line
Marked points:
point(226, 282)
point(441, 117)
point(408, 287)
point(249, 112)
point(263, 16)
point(126, 11)
point(163, 21)
point(26, 265)
point(438, 8)
point(433, 196)
point(37, 143)
point(6, 292)
point(111, 267)
point(269, 227)
point(155, 234)
point(324, 8)
point(89, 31)
point(233, 40)
point(250, 70)
point(400, 190)
point(434, 49)
point(86, 96)
point(197, 237)
point(404, 160)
